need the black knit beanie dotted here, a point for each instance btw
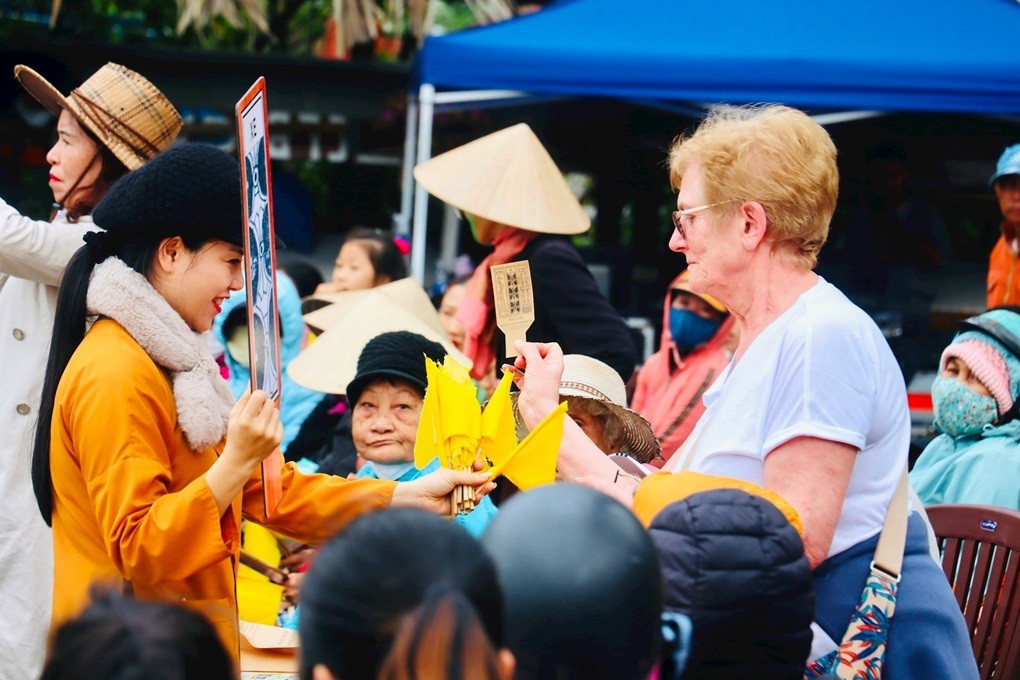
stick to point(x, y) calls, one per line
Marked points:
point(192, 191)
point(400, 355)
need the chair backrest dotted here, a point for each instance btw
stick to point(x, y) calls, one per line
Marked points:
point(980, 546)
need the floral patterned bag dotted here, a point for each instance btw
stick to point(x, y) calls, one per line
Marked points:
point(862, 651)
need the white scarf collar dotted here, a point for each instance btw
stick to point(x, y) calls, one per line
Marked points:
point(202, 396)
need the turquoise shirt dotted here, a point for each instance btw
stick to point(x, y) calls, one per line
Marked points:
point(474, 521)
point(982, 469)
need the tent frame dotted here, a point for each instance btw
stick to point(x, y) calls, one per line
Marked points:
point(421, 111)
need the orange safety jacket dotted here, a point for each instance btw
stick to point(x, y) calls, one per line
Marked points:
point(1003, 277)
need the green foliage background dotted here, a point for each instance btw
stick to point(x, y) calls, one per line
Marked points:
point(295, 25)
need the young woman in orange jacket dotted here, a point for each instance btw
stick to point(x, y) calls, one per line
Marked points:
point(149, 466)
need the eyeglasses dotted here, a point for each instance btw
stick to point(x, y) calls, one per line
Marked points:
point(683, 219)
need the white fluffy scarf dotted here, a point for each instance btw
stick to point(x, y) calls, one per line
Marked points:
point(202, 396)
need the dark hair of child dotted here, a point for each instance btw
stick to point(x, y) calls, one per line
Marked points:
point(402, 594)
point(120, 638)
point(384, 254)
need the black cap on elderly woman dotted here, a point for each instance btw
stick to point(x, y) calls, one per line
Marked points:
point(396, 355)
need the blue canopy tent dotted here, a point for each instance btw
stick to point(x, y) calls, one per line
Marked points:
point(881, 55)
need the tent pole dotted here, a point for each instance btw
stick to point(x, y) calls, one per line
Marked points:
point(456, 99)
point(426, 99)
point(837, 117)
point(451, 234)
point(402, 220)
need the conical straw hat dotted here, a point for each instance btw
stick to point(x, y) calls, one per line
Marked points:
point(406, 292)
point(331, 362)
point(507, 177)
point(126, 112)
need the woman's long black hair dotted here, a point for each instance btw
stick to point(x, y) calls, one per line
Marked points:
point(68, 332)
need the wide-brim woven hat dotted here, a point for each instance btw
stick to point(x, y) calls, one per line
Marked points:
point(509, 178)
point(588, 378)
point(126, 113)
point(331, 362)
point(406, 292)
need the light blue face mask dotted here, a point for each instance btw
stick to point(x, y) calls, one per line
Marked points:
point(959, 410)
point(690, 330)
point(392, 471)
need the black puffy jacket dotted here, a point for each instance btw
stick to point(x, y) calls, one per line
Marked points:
point(734, 564)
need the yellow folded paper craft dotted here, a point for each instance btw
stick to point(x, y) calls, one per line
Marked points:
point(455, 428)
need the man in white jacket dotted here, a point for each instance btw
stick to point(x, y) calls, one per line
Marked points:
point(111, 124)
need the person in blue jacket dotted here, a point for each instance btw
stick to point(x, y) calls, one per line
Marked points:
point(976, 459)
point(230, 328)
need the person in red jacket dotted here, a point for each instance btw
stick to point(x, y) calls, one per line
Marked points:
point(695, 333)
point(1003, 265)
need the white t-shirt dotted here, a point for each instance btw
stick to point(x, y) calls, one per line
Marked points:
point(822, 369)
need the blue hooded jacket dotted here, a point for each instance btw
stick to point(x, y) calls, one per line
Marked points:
point(983, 468)
point(296, 402)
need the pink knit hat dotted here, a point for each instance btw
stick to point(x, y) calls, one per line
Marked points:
point(988, 367)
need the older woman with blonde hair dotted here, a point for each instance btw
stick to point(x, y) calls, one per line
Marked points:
point(812, 405)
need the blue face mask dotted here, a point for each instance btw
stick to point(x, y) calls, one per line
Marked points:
point(392, 471)
point(959, 410)
point(690, 330)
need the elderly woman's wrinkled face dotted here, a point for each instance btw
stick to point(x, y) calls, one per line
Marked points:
point(598, 422)
point(707, 241)
point(593, 428)
point(384, 422)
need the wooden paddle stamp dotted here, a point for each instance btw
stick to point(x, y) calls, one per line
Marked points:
point(515, 301)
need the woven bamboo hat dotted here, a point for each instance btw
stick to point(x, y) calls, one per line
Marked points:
point(126, 112)
point(331, 362)
point(588, 378)
point(509, 178)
